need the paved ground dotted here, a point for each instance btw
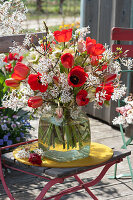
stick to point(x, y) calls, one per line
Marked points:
point(26, 187)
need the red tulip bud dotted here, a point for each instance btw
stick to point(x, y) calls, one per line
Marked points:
point(110, 77)
point(35, 101)
point(12, 82)
point(56, 80)
point(59, 112)
point(20, 71)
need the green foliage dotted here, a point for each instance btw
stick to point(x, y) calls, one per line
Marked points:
point(51, 8)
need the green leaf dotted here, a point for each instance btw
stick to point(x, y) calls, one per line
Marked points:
point(62, 68)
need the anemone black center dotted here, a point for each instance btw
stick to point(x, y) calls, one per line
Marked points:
point(83, 99)
point(74, 79)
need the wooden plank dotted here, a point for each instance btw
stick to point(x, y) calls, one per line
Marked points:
point(7, 41)
point(104, 27)
point(122, 14)
point(91, 16)
point(124, 34)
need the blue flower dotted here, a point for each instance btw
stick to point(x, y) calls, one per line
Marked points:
point(1, 142)
point(21, 134)
point(9, 142)
point(4, 127)
point(17, 139)
point(5, 138)
point(8, 134)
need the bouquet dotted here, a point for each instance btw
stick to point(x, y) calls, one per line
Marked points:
point(57, 77)
point(64, 70)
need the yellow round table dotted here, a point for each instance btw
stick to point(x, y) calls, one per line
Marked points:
point(99, 153)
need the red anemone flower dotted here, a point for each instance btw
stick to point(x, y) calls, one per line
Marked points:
point(77, 76)
point(12, 82)
point(35, 101)
point(63, 36)
point(21, 71)
point(67, 60)
point(81, 98)
point(35, 158)
point(34, 81)
point(93, 48)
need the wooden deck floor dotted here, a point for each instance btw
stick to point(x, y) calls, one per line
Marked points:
point(26, 187)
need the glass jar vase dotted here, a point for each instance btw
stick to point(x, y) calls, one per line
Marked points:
point(64, 138)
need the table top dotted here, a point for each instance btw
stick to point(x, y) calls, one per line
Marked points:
point(99, 153)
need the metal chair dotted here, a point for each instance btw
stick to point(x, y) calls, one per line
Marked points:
point(120, 35)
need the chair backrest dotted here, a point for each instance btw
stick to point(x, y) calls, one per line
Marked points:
point(123, 38)
point(7, 41)
point(123, 34)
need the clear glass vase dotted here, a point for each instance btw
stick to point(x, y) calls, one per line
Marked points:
point(64, 139)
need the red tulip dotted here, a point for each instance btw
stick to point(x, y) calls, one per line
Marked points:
point(21, 71)
point(77, 76)
point(34, 81)
point(67, 60)
point(12, 82)
point(35, 158)
point(93, 48)
point(35, 101)
point(63, 36)
point(81, 98)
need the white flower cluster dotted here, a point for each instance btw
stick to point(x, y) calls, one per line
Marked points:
point(124, 120)
point(50, 36)
point(92, 80)
point(12, 100)
point(119, 120)
point(66, 95)
point(12, 14)
point(118, 93)
point(19, 49)
point(27, 40)
point(126, 112)
point(128, 63)
point(82, 32)
point(25, 153)
point(100, 97)
point(107, 54)
point(115, 67)
point(54, 91)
